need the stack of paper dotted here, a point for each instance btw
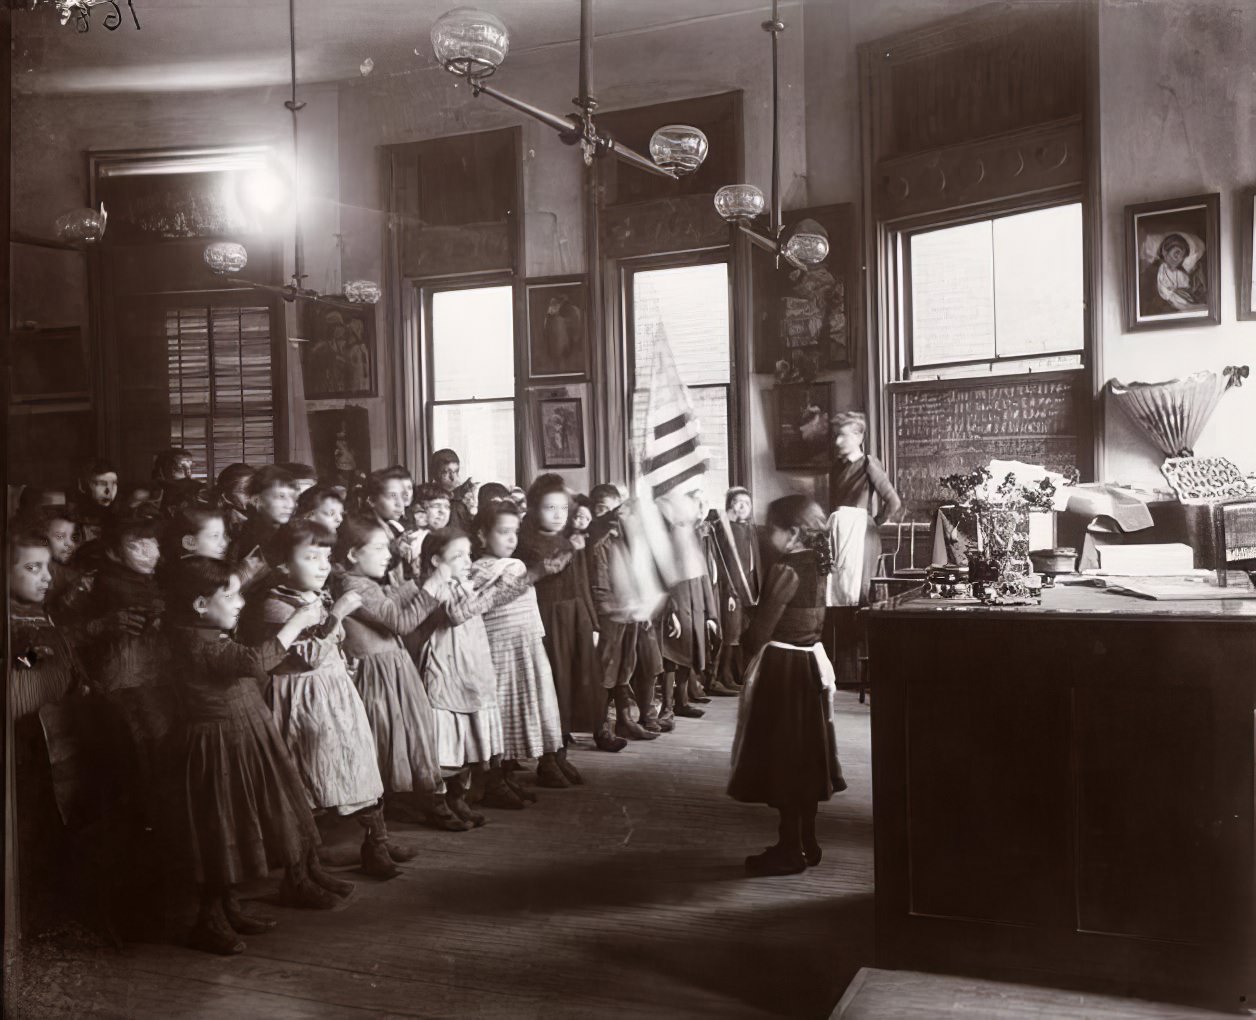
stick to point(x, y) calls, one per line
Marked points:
point(1153, 560)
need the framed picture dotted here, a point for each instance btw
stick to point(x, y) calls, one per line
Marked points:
point(558, 335)
point(48, 365)
point(803, 440)
point(1247, 243)
point(805, 321)
point(562, 432)
point(340, 441)
point(338, 356)
point(1172, 268)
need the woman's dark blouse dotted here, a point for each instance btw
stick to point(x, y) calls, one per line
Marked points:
point(791, 608)
point(213, 668)
point(856, 483)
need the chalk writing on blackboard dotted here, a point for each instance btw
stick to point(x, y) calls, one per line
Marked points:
point(944, 430)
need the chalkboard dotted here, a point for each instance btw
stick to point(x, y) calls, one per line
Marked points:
point(941, 428)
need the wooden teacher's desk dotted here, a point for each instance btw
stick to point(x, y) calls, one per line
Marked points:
point(1067, 789)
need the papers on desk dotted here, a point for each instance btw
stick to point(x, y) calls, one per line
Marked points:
point(1165, 559)
point(1200, 584)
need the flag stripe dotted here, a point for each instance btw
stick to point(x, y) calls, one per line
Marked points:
point(665, 457)
point(665, 487)
point(698, 456)
point(671, 425)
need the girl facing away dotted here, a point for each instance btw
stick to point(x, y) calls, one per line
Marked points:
point(784, 751)
point(245, 809)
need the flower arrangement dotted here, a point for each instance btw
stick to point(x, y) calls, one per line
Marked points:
point(998, 511)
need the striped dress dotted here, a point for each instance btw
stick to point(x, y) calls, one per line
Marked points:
point(526, 697)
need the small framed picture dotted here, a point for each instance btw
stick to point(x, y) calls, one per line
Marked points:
point(338, 355)
point(1247, 243)
point(562, 432)
point(804, 436)
point(1172, 268)
point(340, 440)
point(558, 334)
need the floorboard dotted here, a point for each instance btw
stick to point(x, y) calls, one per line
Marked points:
point(624, 898)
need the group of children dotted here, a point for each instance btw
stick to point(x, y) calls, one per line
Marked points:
point(274, 648)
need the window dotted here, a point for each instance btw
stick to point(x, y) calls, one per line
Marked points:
point(472, 378)
point(688, 307)
point(1000, 294)
point(221, 395)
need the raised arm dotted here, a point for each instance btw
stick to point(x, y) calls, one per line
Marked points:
point(506, 587)
point(399, 610)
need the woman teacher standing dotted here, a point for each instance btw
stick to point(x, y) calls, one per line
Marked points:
point(857, 480)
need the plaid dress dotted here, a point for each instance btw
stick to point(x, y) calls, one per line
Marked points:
point(525, 685)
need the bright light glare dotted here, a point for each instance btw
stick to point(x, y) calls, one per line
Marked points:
point(264, 190)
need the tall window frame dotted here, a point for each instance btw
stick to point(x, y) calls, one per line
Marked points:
point(424, 291)
point(627, 271)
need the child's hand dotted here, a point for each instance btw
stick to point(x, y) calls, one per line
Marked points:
point(577, 542)
point(555, 564)
point(596, 636)
point(732, 604)
point(713, 627)
point(309, 615)
point(673, 626)
point(346, 605)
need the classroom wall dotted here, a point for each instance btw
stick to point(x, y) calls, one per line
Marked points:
point(1178, 112)
point(53, 134)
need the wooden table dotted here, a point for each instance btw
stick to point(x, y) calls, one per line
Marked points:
point(1067, 789)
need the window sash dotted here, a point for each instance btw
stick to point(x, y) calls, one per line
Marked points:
point(913, 368)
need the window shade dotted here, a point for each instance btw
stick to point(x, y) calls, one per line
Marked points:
point(220, 384)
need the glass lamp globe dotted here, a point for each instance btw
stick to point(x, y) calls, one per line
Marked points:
point(809, 245)
point(469, 42)
point(362, 292)
point(81, 225)
point(224, 257)
point(679, 148)
point(739, 203)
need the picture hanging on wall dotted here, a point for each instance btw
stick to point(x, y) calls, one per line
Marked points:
point(558, 335)
point(340, 441)
point(804, 438)
point(562, 432)
point(338, 355)
point(1172, 269)
point(806, 319)
point(1247, 244)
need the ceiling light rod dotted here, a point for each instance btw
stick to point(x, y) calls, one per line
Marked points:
point(229, 258)
point(472, 44)
point(739, 204)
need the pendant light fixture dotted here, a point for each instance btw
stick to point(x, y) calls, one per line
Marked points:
point(228, 258)
point(472, 44)
point(740, 204)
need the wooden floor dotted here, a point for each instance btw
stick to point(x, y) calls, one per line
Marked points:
point(625, 898)
point(908, 995)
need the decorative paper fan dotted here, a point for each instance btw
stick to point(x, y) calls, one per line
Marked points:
point(1173, 414)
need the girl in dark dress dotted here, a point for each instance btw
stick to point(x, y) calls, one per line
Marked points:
point(246, 809)
point(784, 752)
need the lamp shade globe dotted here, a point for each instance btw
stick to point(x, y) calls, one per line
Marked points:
point(85, 225)
point(808, 245)
point(470, 42)
point(362, 292)
point(224, 257)
point(739, 202)
point(679, 148)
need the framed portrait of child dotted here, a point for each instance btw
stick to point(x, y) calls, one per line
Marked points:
point(1172, 267)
